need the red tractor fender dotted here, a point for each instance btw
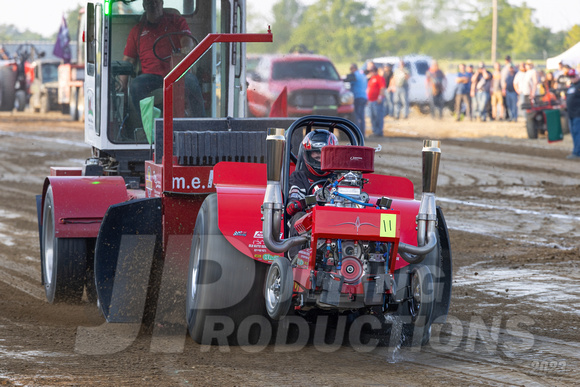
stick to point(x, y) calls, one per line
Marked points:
point(80, 202)
point(241, 187)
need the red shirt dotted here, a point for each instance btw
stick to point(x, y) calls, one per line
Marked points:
point(142, 37)
point(374, 86)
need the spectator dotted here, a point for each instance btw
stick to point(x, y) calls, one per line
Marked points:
point(375, 92)
point(3, 53)
point(519, 83)
point(530, 84)
point(510, 95)
point(462, 93)
point(549, 82)
point(436, 83)
point(546, 91)
point(480, 89)
point(561, 75)
point(470, 72)
point(388, 75)
point(504, 73)
point(560, 70)
point(358, 87)
point(496, 93)
point(564, 79)
point(573, 103)
point(401, 89)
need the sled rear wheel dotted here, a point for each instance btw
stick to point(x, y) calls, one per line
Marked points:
point(63, 260)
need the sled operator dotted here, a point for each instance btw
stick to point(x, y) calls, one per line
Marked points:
point(155, 23)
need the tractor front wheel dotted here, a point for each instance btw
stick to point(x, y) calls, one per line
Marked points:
point(278, 290)
point(224, 287)
point(63, 260)
point(418, 309)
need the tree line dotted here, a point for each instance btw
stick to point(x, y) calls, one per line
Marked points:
point(11, 33)
point(353, 30)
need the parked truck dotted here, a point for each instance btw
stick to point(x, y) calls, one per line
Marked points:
point(171, 231)
point(418, 66)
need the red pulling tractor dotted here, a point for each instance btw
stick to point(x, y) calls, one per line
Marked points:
point(366, 246)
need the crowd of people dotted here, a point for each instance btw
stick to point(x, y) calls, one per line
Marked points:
point(480, 94)
point(384, 90)
point(500, 94)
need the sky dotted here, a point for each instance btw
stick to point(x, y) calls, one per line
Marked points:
point(44, 16)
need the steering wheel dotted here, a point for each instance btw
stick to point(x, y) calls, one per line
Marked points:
point(313, 185)
point(25, 51)
point(169, 36)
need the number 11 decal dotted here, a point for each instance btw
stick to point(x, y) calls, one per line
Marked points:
point(388, 225)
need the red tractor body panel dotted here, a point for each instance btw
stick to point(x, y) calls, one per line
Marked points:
point(241, 188)
point(81, 202)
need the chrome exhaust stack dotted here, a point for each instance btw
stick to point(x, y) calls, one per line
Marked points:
point(273, 206)
point(427, 217)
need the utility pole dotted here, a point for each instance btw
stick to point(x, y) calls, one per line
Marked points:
point(494, 32)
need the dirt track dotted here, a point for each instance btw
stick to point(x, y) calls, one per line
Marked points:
point(512, 208)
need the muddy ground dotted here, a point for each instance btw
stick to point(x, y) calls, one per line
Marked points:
point(511, 205)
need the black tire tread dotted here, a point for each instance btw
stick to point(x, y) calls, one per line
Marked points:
point(231, 265)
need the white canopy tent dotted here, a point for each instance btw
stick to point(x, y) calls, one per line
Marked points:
point(571, 57)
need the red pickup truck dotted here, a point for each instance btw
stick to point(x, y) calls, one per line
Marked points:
point(312, 82)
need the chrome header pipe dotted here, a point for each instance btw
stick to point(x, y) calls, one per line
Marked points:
point(427, 216)
point(431, 158)
point(273, 206)
point(275, 142)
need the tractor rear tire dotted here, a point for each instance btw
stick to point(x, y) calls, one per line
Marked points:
point(90, 284)
point(81, 103)
point(20, 100)
point(44, 104)
point(224, 286)
point(7, 91)
point(531, 126)
point(63, 260)
point(418, 310)
point(74, 104)
point(278, 288)
point(564, 122)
